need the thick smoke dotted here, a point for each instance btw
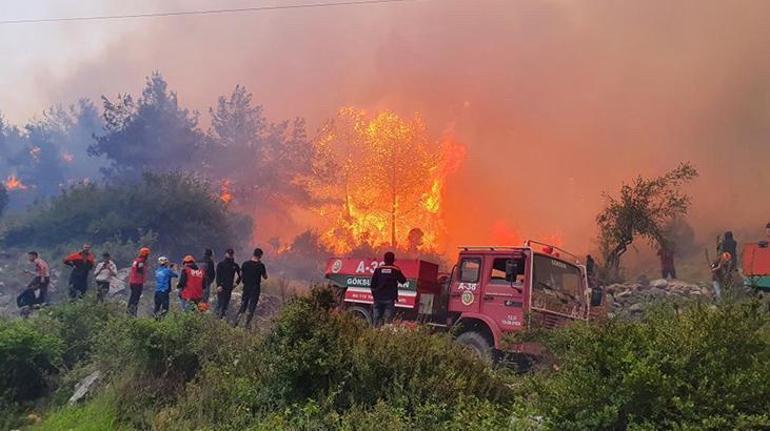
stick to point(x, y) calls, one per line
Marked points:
point(557, 101)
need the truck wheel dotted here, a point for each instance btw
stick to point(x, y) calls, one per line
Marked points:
point(361, 313)
point(477, 343)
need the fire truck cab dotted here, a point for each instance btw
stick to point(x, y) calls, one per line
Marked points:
point(490, 292)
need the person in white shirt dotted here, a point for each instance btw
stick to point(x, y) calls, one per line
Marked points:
point(104, 273)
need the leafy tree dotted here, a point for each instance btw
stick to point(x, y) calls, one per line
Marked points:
point(3, 199)
point(260, 159)
point(152, 133)
point(645, 208)
point(179, 208)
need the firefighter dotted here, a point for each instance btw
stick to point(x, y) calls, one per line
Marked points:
point(729, 245)
point(191, 283)
point(253, 271)
point(210, 267)
point(384, 285)
point(81, 262)
point(163, 275)
point(136, 279)
point(228, 276)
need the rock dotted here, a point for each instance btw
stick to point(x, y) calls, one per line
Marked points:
point(636, 308)
point(660, 283)
point(656, 292)
point(84, 387)
point(622, 294)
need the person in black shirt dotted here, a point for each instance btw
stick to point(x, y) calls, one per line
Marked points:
point(253, 271)
point(209, 265)
point(228, 276)
point(384, 285)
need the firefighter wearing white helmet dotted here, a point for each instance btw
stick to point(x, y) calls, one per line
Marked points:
point(163, 276)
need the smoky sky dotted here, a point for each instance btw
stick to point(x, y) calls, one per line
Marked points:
point(556, 101)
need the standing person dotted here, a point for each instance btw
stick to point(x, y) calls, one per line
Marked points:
point(163, 275)
point(729, 245)
point(720, 273)
point(136, 279)
point(666, 254)
point(40, 282)
point(104, 273)
point(384, 285)
point(253, 271)
point(210, 267)
point(228, 276)
point(191, 283)
point(81, 262)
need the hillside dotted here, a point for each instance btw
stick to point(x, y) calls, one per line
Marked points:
point(701, 367)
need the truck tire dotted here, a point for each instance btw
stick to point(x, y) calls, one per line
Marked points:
point(361, 313)
point(477, 343)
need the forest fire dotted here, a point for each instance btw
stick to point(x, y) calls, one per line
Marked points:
point(380, 181)
point(14, 183)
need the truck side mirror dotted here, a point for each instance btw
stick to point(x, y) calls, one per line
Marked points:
point(511, 271)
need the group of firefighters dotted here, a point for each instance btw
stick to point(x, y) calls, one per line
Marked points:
point(195, 279)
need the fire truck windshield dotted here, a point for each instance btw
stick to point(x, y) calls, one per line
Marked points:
point(556, 285)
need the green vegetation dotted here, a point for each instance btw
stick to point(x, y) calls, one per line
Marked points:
point(125, 214)
point(696, 368)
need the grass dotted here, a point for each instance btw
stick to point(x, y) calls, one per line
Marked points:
point(97, 415)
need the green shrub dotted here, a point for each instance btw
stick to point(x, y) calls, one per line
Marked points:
point(181, 209)
point(29, 358)
point(704, 368)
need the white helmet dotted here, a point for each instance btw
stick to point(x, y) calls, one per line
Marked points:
point(162, 260)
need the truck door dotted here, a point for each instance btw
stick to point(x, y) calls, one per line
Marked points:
point(558, 292)
point(502, 298)
point(465, 288)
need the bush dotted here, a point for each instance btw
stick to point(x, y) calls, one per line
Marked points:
point(701, 369)
point(29, 358)
point(181, 209)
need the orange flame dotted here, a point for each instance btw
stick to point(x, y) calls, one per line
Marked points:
point(225, 195)
point(14, 183)
point(383, 182)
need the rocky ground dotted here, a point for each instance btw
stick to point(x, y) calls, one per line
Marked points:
point(631, 299)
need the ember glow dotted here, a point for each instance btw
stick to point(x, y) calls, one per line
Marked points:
point(35, 152)
point(380, 180)
point(14, 183)
point(67, 157)
point(225, 192)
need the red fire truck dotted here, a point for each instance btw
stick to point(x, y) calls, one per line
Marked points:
point(490, 292)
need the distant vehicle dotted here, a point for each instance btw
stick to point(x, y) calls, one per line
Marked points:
point(490, 292)
point(755, 263)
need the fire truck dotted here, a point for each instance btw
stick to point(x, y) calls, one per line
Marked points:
point(490, 292)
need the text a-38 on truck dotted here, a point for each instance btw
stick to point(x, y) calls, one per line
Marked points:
point(489, 293)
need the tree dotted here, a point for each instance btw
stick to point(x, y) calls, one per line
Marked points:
point(3, 199)
point(373, 178)
point(646, 208)
point(152, 133)
point(259, 159)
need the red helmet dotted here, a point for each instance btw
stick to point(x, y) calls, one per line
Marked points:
point(188, 259)
point(144, 252)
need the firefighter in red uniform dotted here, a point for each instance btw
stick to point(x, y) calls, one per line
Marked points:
point(192, 280)
point(136, 279)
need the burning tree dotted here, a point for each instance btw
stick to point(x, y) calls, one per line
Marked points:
point(645, 208)
point(377, 178)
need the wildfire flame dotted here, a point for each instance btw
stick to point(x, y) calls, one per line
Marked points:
point(381, 181)
point(14, 183)
point(225, 194)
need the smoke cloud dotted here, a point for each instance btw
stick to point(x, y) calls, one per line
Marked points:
point(556, 101)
